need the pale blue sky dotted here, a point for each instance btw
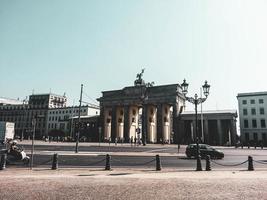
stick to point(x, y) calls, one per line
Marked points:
point(103, 44)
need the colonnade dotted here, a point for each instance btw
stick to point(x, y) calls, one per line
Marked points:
point(133, 121)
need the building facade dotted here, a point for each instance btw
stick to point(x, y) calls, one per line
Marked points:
point(253, 115)
point(35, 108)
point(61, 118)
point(214, 127)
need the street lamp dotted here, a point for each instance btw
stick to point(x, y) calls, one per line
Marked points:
point(34, 120)
point(195, 100)
point(143, 97)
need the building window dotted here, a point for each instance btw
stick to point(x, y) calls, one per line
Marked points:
point(245, 123)
point(245, 111)
point(263, 124)
point(254, 123)
point(253, 111)
point(262, 111)
point(244, 102)
point(261, 101)
point(252, 101)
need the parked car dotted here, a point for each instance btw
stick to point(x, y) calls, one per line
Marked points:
point(205, 150)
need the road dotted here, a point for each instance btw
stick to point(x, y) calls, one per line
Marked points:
point(125, 156)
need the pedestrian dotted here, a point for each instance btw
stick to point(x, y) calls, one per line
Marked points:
point(116, 141)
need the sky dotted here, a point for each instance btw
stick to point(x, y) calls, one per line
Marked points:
point(57, 45)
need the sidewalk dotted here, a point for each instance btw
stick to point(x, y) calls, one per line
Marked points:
point(131, 184)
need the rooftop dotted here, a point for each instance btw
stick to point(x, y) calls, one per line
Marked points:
point(9, 101)
point(210, 112)
point(251, 94)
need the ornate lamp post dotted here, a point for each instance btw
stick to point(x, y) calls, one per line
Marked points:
point(195, 100)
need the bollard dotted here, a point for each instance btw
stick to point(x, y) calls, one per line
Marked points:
point(199, 166)
point(3, 162)
point(158, 163)
point(250, 163)
point(55, 161)
point(208, 168)
point(107, 162)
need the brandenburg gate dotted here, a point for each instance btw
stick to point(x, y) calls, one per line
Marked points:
point(141, 112)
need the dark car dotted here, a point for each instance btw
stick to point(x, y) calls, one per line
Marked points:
point(205, 150)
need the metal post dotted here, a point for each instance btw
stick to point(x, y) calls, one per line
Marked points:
point(3, 161)
point(55, 162)
point(158, 163)
point(33, 136)
point(144, 126)
point(79, 120)
point(199, 167)
point(208, 168)
point(250, 164)
point(107, 162)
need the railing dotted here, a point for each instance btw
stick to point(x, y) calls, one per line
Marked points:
point(56, 160)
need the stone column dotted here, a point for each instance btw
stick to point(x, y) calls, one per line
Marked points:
point(107, 123)
point(152, 121)
point(159, 123)
point(120, 121)
point(114, 123)
point(219, 129)
point(133, 121)
point(101, 123)
point(233, 131)
point(166, 123)
point(175, 121)
point(206, 132)
point(126, 128)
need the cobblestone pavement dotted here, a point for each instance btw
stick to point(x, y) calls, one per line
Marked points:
point(131, 184)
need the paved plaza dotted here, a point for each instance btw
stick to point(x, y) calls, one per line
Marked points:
point(131, 184)
point(177, 179)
